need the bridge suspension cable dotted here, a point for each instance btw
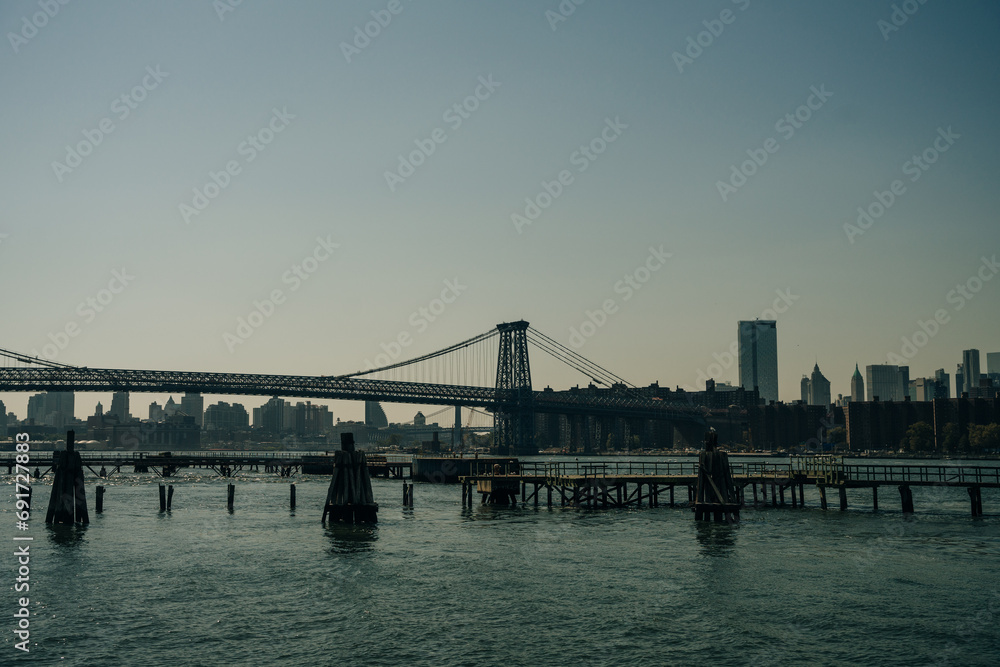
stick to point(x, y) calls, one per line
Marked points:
point(471, 358)
point(554, 348)
point(35, 361)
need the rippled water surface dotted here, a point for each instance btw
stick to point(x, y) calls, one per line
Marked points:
point(440, 584)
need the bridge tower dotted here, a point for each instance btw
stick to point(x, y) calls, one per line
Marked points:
point(514, 420)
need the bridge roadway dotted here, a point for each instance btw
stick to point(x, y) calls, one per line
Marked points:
point(625, 483)
point(71, 378)
point(226, 464)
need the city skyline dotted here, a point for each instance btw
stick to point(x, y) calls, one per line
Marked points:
point(799, 159)
point(401, 410)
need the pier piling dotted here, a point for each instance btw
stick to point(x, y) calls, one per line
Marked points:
point(291, 499)
point(170, 496)
point(875, 499)
point(163, 498)
point(843, 498)
point(100, 499)
point(906, 497)
point(230, 494)
point(68, 502)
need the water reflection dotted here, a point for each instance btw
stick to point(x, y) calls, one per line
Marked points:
point(66, 534)
point(351, 538)
point(716, 539)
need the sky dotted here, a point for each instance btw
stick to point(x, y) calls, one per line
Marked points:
point(659, 169)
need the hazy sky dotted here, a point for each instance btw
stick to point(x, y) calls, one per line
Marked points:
point(118, 114)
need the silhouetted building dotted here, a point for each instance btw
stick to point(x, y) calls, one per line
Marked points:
point(881, 425)
point(970, 370)
point(887, 382)
point(857, 385)
point(225, 417)
point(786, 426)
point(375, 415)
point(419, 419)
point(819, 388)
point(155, 412)
point(193, 405)
point(53, 408)
point(119, 406)
point(272, 416)
point(943, 384)
point(758, 351)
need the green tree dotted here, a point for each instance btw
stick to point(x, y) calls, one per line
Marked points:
point(837, 435)
point(952, 436)
point(984, 438)
point(919, 438)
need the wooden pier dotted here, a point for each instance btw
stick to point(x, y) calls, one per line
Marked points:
point(640, 483)
point(224, 464)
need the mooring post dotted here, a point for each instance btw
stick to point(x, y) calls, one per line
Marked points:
point(976, 499)
point(791, 487)
point(549, 493)
point(843, 498)
point(875, 498)
point(671, 495)
point(170, 495)
point(291, 498)
point(163, 498)
point(231, 492)
point(802, 495)
point(100, 498)
point(906, 496)
point(822, 496)
point(781, 490)
point(405, 494)
point(68, 501)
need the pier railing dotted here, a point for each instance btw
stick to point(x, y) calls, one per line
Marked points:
point(923, 474)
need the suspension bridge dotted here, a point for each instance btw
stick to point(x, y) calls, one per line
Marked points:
point(490, 371)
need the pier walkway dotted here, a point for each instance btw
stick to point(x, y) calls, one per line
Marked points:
point(640, 483)
point(225, 464)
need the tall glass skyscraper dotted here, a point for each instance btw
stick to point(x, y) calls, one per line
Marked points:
point(758, 347)
point(970, 370)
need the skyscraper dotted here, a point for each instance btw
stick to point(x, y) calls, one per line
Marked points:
point(758, 350)
point(804, 389)
point(857, 386)
point(887, 382)
point(943, 384)
point(819, 388)
point(193, 405)
point(970, 370)
point(993, 363)
point(119, 406)
point(375, 415)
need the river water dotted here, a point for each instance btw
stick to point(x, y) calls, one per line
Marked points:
point(439, 584)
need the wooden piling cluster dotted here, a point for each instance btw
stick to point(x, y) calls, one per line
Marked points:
point(716, 495)
point(68, 502)
point(350, 497)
